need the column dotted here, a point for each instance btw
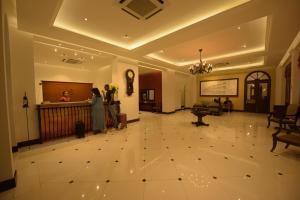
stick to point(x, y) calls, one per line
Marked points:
point(7, 172)
point(295, 77)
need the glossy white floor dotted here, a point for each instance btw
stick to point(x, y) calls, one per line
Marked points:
point(163, 157)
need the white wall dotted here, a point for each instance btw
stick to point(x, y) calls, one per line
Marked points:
point(6, 158)
point(45, 72)
point(176, 86)
point(169, 97)
point(129, 104)
point(22, 76)
point(104, 76)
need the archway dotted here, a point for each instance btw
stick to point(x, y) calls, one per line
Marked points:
point(257, 92)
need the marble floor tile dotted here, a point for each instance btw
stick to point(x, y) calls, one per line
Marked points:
point(163, 157)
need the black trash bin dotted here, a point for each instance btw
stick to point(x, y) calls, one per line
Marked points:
point(79, 129)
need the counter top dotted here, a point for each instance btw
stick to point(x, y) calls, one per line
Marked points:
point(67, 104)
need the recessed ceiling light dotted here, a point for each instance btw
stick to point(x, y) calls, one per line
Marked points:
point(244, 46)
point(55, 50)
point(75, 53)
point(239, 28)
point(85, 19)
point(92, 57)
point(59, 44)
point(161, 51)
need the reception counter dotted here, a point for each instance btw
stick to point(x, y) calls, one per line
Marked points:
point(57, 120)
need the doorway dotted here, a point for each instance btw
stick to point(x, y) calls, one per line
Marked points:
point(257, 92)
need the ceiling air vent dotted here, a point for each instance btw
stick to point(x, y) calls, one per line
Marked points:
point(142, 9)
point(71, 61)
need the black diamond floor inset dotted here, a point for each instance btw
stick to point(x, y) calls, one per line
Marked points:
point(116, 161)
point(248, 175)
point(53, 149)
point(214, 177)
point(71, 181)
point(180, 179)
point(107, 181)
point(88, 161)
point(172, 159)
point(144, 180)
point(32, 162)
point(280, 174)
point(199, 159)
point(60, 162)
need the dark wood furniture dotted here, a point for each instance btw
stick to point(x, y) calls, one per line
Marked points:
point(291, 137)
point(257, 92)
point(287, 121)
point(277, 114)
point(227, 106)
point(284, 116)
point(200, 111)
point(57, 120)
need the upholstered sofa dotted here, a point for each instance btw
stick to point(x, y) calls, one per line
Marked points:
point(213, 108)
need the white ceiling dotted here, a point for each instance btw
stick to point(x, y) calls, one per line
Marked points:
point(243, 39)
point(105, 21)
point(53, 53)
point(267, 28)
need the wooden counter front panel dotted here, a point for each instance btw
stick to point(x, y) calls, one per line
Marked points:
point(57, 122)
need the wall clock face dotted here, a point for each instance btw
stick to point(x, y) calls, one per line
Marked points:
point(130, 74)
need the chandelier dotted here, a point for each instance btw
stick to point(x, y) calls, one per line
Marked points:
point(201, 67)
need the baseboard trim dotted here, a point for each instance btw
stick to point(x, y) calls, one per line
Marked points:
point(133, 120)
point(8, 184)
point(29, 143)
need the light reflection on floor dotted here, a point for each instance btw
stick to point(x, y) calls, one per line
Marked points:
point(163, 157)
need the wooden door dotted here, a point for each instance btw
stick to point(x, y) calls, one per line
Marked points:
point(257, 92)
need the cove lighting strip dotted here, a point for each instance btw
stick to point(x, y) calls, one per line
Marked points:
point(257, 64)
point(233, 54)
point(59, 24)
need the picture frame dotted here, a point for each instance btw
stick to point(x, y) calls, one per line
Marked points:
point(219, 88)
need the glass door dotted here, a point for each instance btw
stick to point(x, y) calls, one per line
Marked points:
point(257, 92)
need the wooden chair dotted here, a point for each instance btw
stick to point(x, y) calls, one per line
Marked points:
point(283, 115)
point(289, 138)
point(288, 119)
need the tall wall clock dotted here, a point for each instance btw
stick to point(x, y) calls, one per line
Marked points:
point(129, 79)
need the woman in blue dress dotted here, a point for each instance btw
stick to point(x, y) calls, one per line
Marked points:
point(98, 112)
